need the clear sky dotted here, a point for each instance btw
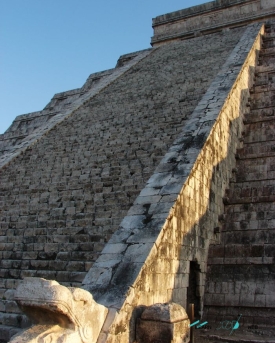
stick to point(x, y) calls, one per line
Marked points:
point(51, 46)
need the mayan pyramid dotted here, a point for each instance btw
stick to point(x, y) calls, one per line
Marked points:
point(154, 182)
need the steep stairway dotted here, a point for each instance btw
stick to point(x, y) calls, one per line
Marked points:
point(67, 192)
point(241, 269)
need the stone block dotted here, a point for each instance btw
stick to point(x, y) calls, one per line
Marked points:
point(2, 308)
point(138, 252)
point(163, 323)
point(231, 300)
point(114, 248)
point(180, 296)
point(11, 307)
point(270, 300)
point(260, 300)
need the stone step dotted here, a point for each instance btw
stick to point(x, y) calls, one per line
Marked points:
point(263, 99)
point(257, 336)
point(259, 252)
point(264, 81)
point(7, 331)
point(255, 150)
point(269, 42)
point(240, 260)
point(256, 210)
point(264, 87)
point(250, 169)
point(262, 212)
point(265, 114)
point(269, 30)
point(254, 226)
point(269, 35)
point(267, 61)
point(244, 258)
point(263, 131)
point(264, 91)
point(263, 69)
point(242, 274)
point(71, 275)
point(261, 78)
point(266, 52)
point(250, 192)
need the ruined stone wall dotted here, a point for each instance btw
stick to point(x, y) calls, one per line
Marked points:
point(64, 196)
point(172, 221)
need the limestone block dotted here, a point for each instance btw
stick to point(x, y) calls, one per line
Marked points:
point(59, 314)
point(163, 323)
point(267, 4)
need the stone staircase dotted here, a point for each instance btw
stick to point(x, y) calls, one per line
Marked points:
point(65, 193)
point(241, 269)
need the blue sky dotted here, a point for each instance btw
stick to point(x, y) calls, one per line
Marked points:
point(50, 46)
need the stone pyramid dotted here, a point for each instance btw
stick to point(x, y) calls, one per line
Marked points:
point(154, 182)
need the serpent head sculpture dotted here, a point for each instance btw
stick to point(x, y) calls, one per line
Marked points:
point(60, 314)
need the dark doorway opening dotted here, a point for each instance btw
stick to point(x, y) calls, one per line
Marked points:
point(193, 289)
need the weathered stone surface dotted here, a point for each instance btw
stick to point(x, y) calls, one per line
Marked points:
point(208, 18)
point(190, 220)
point(28, 128)
point(58, 313)
point(64, 197)
point(240, 268)
point(163, 323)
point(169, 313)
point(165, 124)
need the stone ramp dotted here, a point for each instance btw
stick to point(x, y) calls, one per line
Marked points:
point(241, 268)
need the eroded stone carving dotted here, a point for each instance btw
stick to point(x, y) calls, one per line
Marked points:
point(60, 314)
